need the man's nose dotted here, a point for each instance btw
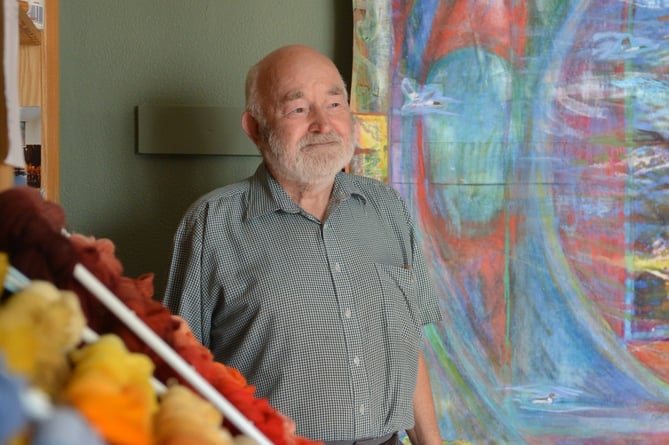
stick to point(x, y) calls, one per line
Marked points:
point(319, 120)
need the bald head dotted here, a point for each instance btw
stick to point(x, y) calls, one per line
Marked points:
point(263, 77)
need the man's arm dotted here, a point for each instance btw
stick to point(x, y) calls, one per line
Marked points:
point(426, 429)
point(183, 295)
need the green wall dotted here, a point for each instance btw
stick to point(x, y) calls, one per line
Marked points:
point(116, 54)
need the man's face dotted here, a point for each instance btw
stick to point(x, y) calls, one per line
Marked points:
point(309, 128)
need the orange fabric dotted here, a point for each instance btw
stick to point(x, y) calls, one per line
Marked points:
point(111, 388)
point(118, 415)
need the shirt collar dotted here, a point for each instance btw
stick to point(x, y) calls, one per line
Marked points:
point(267, 196)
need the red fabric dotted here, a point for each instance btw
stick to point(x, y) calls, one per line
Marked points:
point(30, 232)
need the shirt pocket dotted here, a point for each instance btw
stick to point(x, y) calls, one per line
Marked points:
point(400, 304)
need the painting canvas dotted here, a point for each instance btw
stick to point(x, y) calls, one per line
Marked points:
point(531, 141)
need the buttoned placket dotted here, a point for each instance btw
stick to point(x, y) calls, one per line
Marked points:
point(351, 327)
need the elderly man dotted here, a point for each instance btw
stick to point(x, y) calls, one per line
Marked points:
point(309, 280)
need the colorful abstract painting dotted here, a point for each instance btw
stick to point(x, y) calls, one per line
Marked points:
point(531, 140)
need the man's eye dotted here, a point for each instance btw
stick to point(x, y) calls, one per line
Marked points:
point(299, 110)
point(337, 105)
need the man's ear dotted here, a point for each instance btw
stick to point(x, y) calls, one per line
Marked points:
point(251, 127)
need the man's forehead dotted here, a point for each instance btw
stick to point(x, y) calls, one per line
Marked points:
point(297, 93)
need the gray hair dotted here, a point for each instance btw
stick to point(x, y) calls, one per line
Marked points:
point(252, 97)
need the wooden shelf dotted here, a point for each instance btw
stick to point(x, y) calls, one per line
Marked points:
point(28, 32)
point(38, 86)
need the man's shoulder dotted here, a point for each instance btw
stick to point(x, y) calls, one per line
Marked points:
point(368, 185)
point(229, 191)
point(227, 195)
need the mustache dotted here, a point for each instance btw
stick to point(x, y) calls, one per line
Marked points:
point(319, 139)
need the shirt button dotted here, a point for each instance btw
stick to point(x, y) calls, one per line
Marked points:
point(356, 360)
point(362, 409)
point(347, 313)
point(337, 267)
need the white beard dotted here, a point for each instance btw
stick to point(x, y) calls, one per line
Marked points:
point(309, 165)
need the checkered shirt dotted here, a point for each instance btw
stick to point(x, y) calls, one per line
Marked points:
point(324, 318)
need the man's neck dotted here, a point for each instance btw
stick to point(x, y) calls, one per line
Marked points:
point(313, 198)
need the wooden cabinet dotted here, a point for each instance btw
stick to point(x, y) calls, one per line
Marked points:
point(38, 87)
